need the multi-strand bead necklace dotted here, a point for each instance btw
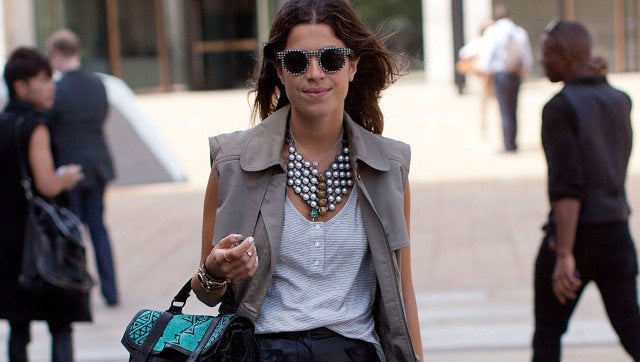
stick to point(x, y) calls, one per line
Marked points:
point(322, 191)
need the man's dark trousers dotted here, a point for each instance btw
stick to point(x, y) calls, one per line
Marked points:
point(88, 204)
point(507, 86)
point(605, 254)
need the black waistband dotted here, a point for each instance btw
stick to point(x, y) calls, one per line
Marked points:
point(322, 331)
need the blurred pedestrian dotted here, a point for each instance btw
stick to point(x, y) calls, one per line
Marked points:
point(77, 122)
point(587, 138)
point(506, 55)
point(467, 64)
point(27, 74)
point(319, 196)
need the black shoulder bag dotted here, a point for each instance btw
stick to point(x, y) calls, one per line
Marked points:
point(54, 258)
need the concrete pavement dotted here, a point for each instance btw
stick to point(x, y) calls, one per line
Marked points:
point(476, 217)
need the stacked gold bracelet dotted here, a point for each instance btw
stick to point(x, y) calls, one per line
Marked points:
point(210, 283)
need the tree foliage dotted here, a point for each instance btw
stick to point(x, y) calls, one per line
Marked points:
point(401, 20)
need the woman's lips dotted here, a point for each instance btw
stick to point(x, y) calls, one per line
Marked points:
point(316, 92)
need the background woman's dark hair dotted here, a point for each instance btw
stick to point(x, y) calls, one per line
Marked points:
point(23, 64)
point(377, 68)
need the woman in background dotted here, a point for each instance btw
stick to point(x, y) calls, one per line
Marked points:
point(31, 90)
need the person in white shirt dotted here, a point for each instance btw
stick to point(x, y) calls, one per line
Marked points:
point(506, 54)
point(467, 65)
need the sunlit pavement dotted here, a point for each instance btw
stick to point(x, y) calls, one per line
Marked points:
point(475, 228)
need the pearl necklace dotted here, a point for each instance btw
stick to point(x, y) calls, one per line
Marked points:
point(326, 154)
point(321, 191)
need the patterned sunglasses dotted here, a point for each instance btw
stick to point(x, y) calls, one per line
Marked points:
point(297, 61)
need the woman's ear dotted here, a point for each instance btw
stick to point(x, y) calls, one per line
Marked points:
point(353, 68)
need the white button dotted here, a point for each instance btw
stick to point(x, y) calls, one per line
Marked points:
point(317, 226)
point(317, 243)
point(316, 262)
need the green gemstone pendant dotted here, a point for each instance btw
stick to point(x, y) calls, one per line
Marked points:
point(314, 213)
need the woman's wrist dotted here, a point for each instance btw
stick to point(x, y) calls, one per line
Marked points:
point(210, 283)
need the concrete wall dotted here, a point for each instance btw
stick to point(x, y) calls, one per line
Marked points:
point(476, 12)
point(19, 28)
point(140, 154)
point(438, 35)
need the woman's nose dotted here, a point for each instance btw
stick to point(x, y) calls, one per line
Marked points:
point(315, 70)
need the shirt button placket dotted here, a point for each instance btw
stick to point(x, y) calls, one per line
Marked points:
point(316, 236)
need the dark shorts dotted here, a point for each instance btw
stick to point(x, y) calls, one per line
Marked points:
point(320, 344)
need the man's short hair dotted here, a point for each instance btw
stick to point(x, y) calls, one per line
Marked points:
point(64, 41)
point(23, 64)
point(501, 11)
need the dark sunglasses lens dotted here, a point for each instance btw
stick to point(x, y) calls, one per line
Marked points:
point(295, 62)
point(332, 60)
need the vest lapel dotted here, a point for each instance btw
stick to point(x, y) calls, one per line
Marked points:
point(273, 212)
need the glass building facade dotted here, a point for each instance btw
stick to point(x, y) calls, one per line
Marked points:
point(613, 24)
point(211, 44)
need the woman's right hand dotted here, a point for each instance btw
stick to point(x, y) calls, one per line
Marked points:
point(69, 175)
point(233, 258)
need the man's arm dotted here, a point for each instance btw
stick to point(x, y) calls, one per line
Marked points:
point(561, 146)
point(565, 279)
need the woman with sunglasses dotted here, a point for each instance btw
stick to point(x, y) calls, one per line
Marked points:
point(306, 215)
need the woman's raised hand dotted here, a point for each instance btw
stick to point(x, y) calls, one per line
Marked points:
point(233, 258)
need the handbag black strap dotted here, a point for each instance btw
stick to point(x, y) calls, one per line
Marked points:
point(25, 179)
point(193, 357)
point(156, 332)
point(175, 308)
point(180, 299)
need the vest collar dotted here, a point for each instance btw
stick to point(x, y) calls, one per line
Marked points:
point(264, 144)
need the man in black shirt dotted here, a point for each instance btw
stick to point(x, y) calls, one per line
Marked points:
point(586, 135)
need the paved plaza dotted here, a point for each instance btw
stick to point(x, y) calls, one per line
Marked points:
point(475, 228)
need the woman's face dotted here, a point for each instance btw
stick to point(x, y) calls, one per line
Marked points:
point(316, 94)
point(38, 90)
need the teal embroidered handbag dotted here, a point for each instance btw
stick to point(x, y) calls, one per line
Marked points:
point(173, 336)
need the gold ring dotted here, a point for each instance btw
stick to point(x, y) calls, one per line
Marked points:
point(225, 256)
point(249, 253)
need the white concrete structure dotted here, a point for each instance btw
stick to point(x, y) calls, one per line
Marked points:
point(438, 35)
point(141, 154)
point(17, 23)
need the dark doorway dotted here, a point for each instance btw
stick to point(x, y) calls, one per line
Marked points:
point(223, 39)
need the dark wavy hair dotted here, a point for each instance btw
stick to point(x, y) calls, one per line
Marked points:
point(24, 63)
point(377, 67)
